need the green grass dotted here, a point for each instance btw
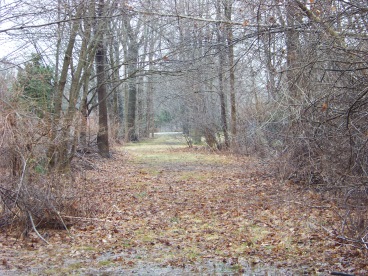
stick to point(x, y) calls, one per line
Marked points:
point(86, 248)
point(162, 141)
point(193, 175)
point(106, 263)
point(75, 266)
point(127, 243)
point(145, 235)
point(192, 253)
point(165, 150)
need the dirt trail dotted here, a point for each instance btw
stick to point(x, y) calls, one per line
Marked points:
point(159, 208)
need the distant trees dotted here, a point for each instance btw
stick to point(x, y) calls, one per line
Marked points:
point(133, 43)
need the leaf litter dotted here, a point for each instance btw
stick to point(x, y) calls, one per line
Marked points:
point(162, 210)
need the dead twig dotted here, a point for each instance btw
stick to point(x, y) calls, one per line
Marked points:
point(34, 228)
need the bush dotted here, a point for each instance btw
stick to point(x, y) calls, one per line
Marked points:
point(31, 196)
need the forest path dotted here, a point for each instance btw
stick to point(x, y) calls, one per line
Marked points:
point(160, 208)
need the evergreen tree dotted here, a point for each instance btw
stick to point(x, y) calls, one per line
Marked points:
point(37, 83)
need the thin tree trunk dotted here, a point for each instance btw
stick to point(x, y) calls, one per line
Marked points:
point(150, 95)
point(132, 57)
point(84, 119)
point(80, 79)
point(132, 106)
point(292, 41)
point(115, 105)
point(57, 155)
point(228, 14)
point(220, 42)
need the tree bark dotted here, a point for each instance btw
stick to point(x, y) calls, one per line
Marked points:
point(230, 45)
point(221, 42)
point(103, 128)
point(132, 56)
point(132, 106)
point(58, 154)
point(292, 43)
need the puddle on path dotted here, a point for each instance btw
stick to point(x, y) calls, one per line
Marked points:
point(142, 268)
point(206, 268)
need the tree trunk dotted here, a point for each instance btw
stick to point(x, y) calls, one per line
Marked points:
point(221, 42)
point(292, 43)
point(84, 117)
point(116, 103)
point(230, 44)
point(132, 57)
point(132, 106)
point(103, 129)
point(57, 154)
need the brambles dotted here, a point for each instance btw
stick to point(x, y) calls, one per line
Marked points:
point(31, 196)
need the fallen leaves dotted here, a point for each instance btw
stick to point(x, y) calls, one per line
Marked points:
point(177, 207)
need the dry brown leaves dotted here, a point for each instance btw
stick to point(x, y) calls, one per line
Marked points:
point(229, 209)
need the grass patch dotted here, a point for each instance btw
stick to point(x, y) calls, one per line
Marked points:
point(71, 269)
point(168, 139)
point(141, 195)
point(126, 244)
point(150, 171)
point(174, 220)
point(155, 157)
point(145, 235)
point(160, 142)
point(157, 152)
point(86, 248)
point(237, 268)
point(51, 271)
point(212, 237)
point(193, 176)
point(106, 263)
point(243, 247)
point(192, 253)
point(256, 234)
point(75, 266)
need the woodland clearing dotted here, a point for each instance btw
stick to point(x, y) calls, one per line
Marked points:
point(161, 208)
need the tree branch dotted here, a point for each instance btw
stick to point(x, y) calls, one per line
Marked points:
point(318, 20)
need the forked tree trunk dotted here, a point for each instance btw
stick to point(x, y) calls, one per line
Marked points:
point(57, 154)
